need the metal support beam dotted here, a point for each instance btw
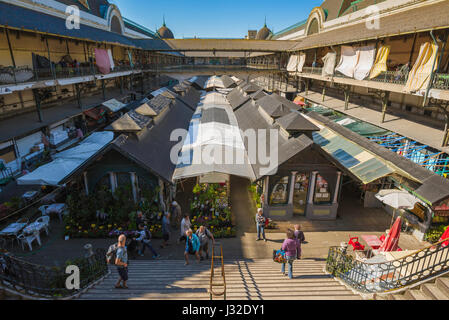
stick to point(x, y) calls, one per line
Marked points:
point(324, 92)
point(78, 95)
point(347, 91)
point(121, 86)
point(49, 58)
point(37, 100)
point(103, 89)
point(385, 98)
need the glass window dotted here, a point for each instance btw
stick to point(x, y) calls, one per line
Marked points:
point(322, 191)
point(300, 193)
point(279, 193)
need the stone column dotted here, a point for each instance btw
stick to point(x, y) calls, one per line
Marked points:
point(312, 186)
point(292, 187)
point(337, 188)
point(266, 185)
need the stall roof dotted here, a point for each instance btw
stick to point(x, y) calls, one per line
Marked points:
point(295, 121)
point(114, 105)
point(433, 187)
point(68, 161)
point(236, 98)
point(214, 134)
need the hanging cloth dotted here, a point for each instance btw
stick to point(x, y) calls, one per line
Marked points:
point(348, 61)
point(380, 65)
point(130, 56)
point(419, 76)
point(365, 62)
point(111, 59)
point(292, 65)
point(330, 59)
point(301, 62)
point(102, 61)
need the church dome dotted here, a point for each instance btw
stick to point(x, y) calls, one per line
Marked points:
point(263, 33)
point(165, 33)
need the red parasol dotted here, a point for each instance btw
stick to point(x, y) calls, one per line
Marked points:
point(391, 243)
point(445, 236)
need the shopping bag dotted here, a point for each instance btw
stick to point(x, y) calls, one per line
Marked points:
point(279, 256)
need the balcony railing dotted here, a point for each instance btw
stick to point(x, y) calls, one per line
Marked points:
point(312, 70)
point(392, 77)
point(441, 81)
point(386, 276)
point(37, 281)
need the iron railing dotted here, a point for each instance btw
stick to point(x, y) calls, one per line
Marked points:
point(386, 276)
point(222, 280)
point(392, 77)
point(441, 81)
point(36, 281)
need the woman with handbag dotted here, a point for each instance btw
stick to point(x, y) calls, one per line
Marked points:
point(260, 222)
point(292, 248)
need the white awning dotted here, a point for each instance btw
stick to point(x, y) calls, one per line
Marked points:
point(68, 161)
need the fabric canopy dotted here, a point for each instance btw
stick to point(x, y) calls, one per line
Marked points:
point(111, 59)
point(445, 236)
point(391, 243)
point(380, 65)
point(365, 62)
point(67, 161)
point(102, 60)
point(348, 61)
point(419, 76)
point(330, 59)
point(397, 199)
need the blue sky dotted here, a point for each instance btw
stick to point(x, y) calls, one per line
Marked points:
point(216, 19)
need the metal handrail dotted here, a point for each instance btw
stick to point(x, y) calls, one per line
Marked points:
point(386, 276)
point(212, 274)
point(38, 281)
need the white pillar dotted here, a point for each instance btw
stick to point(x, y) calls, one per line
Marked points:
point(86, 183)
point(135, 186)
point(292, 187)
point(113, 181)
point(266, 186)
point(312, 186)
point(337, 188)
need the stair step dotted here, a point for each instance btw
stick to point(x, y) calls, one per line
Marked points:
point(443, 284)
point(397, 297)
point(434, 292)
point(416, 295)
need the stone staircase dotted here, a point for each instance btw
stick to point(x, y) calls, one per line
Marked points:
point(434, 290)
point(246, 280)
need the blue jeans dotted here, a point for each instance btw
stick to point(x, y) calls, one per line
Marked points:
point(260, 229)
point(148, 244)
point(290, 266)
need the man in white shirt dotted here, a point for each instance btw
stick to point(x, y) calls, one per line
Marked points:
point(185, 226)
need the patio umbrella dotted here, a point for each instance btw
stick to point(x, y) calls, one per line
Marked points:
point(445, 236)
point(391, 243)
point(397, 199)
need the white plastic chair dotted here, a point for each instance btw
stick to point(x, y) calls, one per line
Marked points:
point(45, 220)
point(29, 239)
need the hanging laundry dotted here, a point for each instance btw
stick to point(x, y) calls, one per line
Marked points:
point(102, 60)
point(330, 60)
point(348, 61)
point(380, 65)
point(419, 76)
point(365, 63)
point(130, 56)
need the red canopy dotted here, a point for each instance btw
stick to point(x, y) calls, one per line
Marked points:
point(391, 243)
point(445, 236)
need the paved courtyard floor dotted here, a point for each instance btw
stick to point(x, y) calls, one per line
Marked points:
point(320, 235)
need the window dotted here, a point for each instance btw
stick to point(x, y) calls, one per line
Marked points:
point(322, 191)
point(279, 193)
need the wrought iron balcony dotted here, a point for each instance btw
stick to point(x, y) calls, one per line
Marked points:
point(385, 276)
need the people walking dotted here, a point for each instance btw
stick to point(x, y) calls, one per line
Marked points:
point(192, 246)
point(260, 221)
point(145, 241)
point(185, 226)
point(292, 248)
point(204, 235)
point(299, 234)
point(165, 229)
point(121, 261)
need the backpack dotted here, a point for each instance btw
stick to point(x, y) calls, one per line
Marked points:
point(111, 255)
